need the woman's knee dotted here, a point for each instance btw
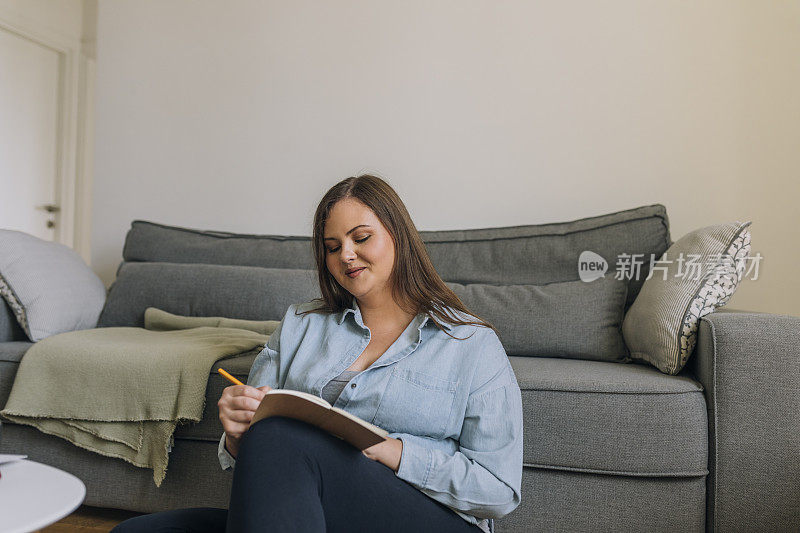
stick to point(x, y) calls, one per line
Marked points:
point(283, 432)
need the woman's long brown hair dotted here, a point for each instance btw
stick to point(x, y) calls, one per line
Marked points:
point(416, 286)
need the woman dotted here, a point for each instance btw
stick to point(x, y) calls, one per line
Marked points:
point(392, 344)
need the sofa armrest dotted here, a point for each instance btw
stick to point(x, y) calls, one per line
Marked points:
point(10, 329)
point(749, 365)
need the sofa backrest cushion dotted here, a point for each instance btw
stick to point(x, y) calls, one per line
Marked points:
point(571, 319)
point(548, 253)
point(518, 255)
point(151, 242)
point(190, 289)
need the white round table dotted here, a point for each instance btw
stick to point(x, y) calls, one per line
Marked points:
point(33, 495)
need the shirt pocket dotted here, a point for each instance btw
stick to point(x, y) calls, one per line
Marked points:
point(416, 403)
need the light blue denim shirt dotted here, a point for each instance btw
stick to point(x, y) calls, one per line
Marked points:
point(455, 404)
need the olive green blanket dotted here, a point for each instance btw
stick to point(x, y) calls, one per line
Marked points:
point(121, 391)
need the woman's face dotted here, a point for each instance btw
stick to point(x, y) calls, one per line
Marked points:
point(355, 238)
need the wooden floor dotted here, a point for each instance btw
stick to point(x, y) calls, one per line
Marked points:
point(90, 519)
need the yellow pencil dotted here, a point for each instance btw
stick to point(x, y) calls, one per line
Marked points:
point(229, 377)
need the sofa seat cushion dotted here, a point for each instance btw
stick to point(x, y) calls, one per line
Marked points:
point(590, 416)
point(613, 418)
point(587, 416)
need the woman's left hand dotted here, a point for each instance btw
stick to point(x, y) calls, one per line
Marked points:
point(387, 452)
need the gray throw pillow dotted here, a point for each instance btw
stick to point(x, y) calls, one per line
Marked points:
point(697, 274)
point(572, 319)
point(47, 285)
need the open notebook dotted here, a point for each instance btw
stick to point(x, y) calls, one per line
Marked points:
point(318, 412)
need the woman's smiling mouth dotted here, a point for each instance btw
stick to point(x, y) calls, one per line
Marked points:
point(354, 273)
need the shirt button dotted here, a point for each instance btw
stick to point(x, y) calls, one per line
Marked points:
point(352, 385)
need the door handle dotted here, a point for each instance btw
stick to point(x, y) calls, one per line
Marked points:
point(50, 208)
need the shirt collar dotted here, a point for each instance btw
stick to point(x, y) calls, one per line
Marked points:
point(425, 318)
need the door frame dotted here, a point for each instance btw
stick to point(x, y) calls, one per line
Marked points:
point(73, 188)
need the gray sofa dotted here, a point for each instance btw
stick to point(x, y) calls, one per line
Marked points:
point(608, 446)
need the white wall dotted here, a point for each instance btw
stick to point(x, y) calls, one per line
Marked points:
point(239, 115)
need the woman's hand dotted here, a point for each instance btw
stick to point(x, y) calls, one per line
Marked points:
point(387, 452)
point(237, 405)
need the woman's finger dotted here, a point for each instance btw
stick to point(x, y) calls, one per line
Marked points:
point(239, 416)
point(245, 403)
point(251, 392)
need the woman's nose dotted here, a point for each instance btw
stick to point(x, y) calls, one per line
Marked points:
point(347, 254)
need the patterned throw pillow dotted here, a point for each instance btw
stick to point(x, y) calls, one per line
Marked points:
point(47, 285)
point(697, 274)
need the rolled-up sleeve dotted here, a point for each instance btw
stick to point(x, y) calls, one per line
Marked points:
point(483, 477)
point(226, 460)
point(264, 371)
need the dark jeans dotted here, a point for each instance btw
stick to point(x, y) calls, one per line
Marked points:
point(292, 476)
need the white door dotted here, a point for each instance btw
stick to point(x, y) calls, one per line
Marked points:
point(29, 135)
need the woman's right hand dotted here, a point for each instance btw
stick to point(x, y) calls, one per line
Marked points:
point(237, 405)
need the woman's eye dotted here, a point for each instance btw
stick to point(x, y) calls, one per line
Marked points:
point(332, 250)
